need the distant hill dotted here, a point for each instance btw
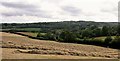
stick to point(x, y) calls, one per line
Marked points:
point(59, 25)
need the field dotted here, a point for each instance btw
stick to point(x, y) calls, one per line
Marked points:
point(103, 37)
point(14, 46)
point(29, 33)
point(29, 29)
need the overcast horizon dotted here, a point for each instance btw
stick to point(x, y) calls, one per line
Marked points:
point(28, 11)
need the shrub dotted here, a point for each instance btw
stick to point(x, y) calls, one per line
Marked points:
point(107, 40)
point(98, 42)
point(93, 41)
point(116, 42)
point(67, 36)
point(39, 35)
point(49, 36)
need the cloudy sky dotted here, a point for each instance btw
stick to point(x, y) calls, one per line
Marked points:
point(27, 11)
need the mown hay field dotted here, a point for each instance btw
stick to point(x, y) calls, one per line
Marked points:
point(24, 46)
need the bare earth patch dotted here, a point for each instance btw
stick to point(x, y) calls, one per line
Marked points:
point(17, 46)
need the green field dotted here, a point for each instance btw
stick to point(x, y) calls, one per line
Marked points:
point(31, 33)
point(29, 29)
point(103, 37)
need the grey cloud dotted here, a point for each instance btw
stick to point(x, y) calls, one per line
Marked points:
point(16, 5)
point(72, 10)
point(20, 13)
point(21, 6)
point(12, 14)
point(24, 9)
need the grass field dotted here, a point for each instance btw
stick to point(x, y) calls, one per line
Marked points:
point(29, 33)
point(24, 29)
point(103, 37)
point(29, 29)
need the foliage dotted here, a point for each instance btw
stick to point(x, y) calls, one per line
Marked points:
point(107, 40)
point(116, 42)
point(67, 36)
point(104, 30)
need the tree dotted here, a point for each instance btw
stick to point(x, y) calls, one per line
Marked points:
point(93, 27)
point(39, 35)
point(107, 40)
point(118, 29)
point(112, 31)
point(67, 36)
point(56, 34)
point(116, 42)
point(104, 31)
point(86, 33)
point(97, 32)
point(49, 36)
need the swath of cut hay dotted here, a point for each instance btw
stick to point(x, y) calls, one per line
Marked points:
point(43, 50)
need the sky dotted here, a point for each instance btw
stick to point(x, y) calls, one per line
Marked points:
point(28, 11)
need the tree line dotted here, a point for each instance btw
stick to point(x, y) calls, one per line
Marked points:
point(86, 36)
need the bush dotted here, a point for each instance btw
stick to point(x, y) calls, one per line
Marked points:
point(116, 42)
point(67, 36)
point(97, 42)
point(93, 41)
point(38, 35)
point(49, 36)
point(107, 40)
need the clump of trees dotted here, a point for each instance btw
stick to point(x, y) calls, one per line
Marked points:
point(108, 40)
point(115, 42)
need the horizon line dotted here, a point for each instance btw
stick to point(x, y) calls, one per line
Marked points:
point(58, 21)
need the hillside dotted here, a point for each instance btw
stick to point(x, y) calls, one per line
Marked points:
point(18, 45)
point(46, 26)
